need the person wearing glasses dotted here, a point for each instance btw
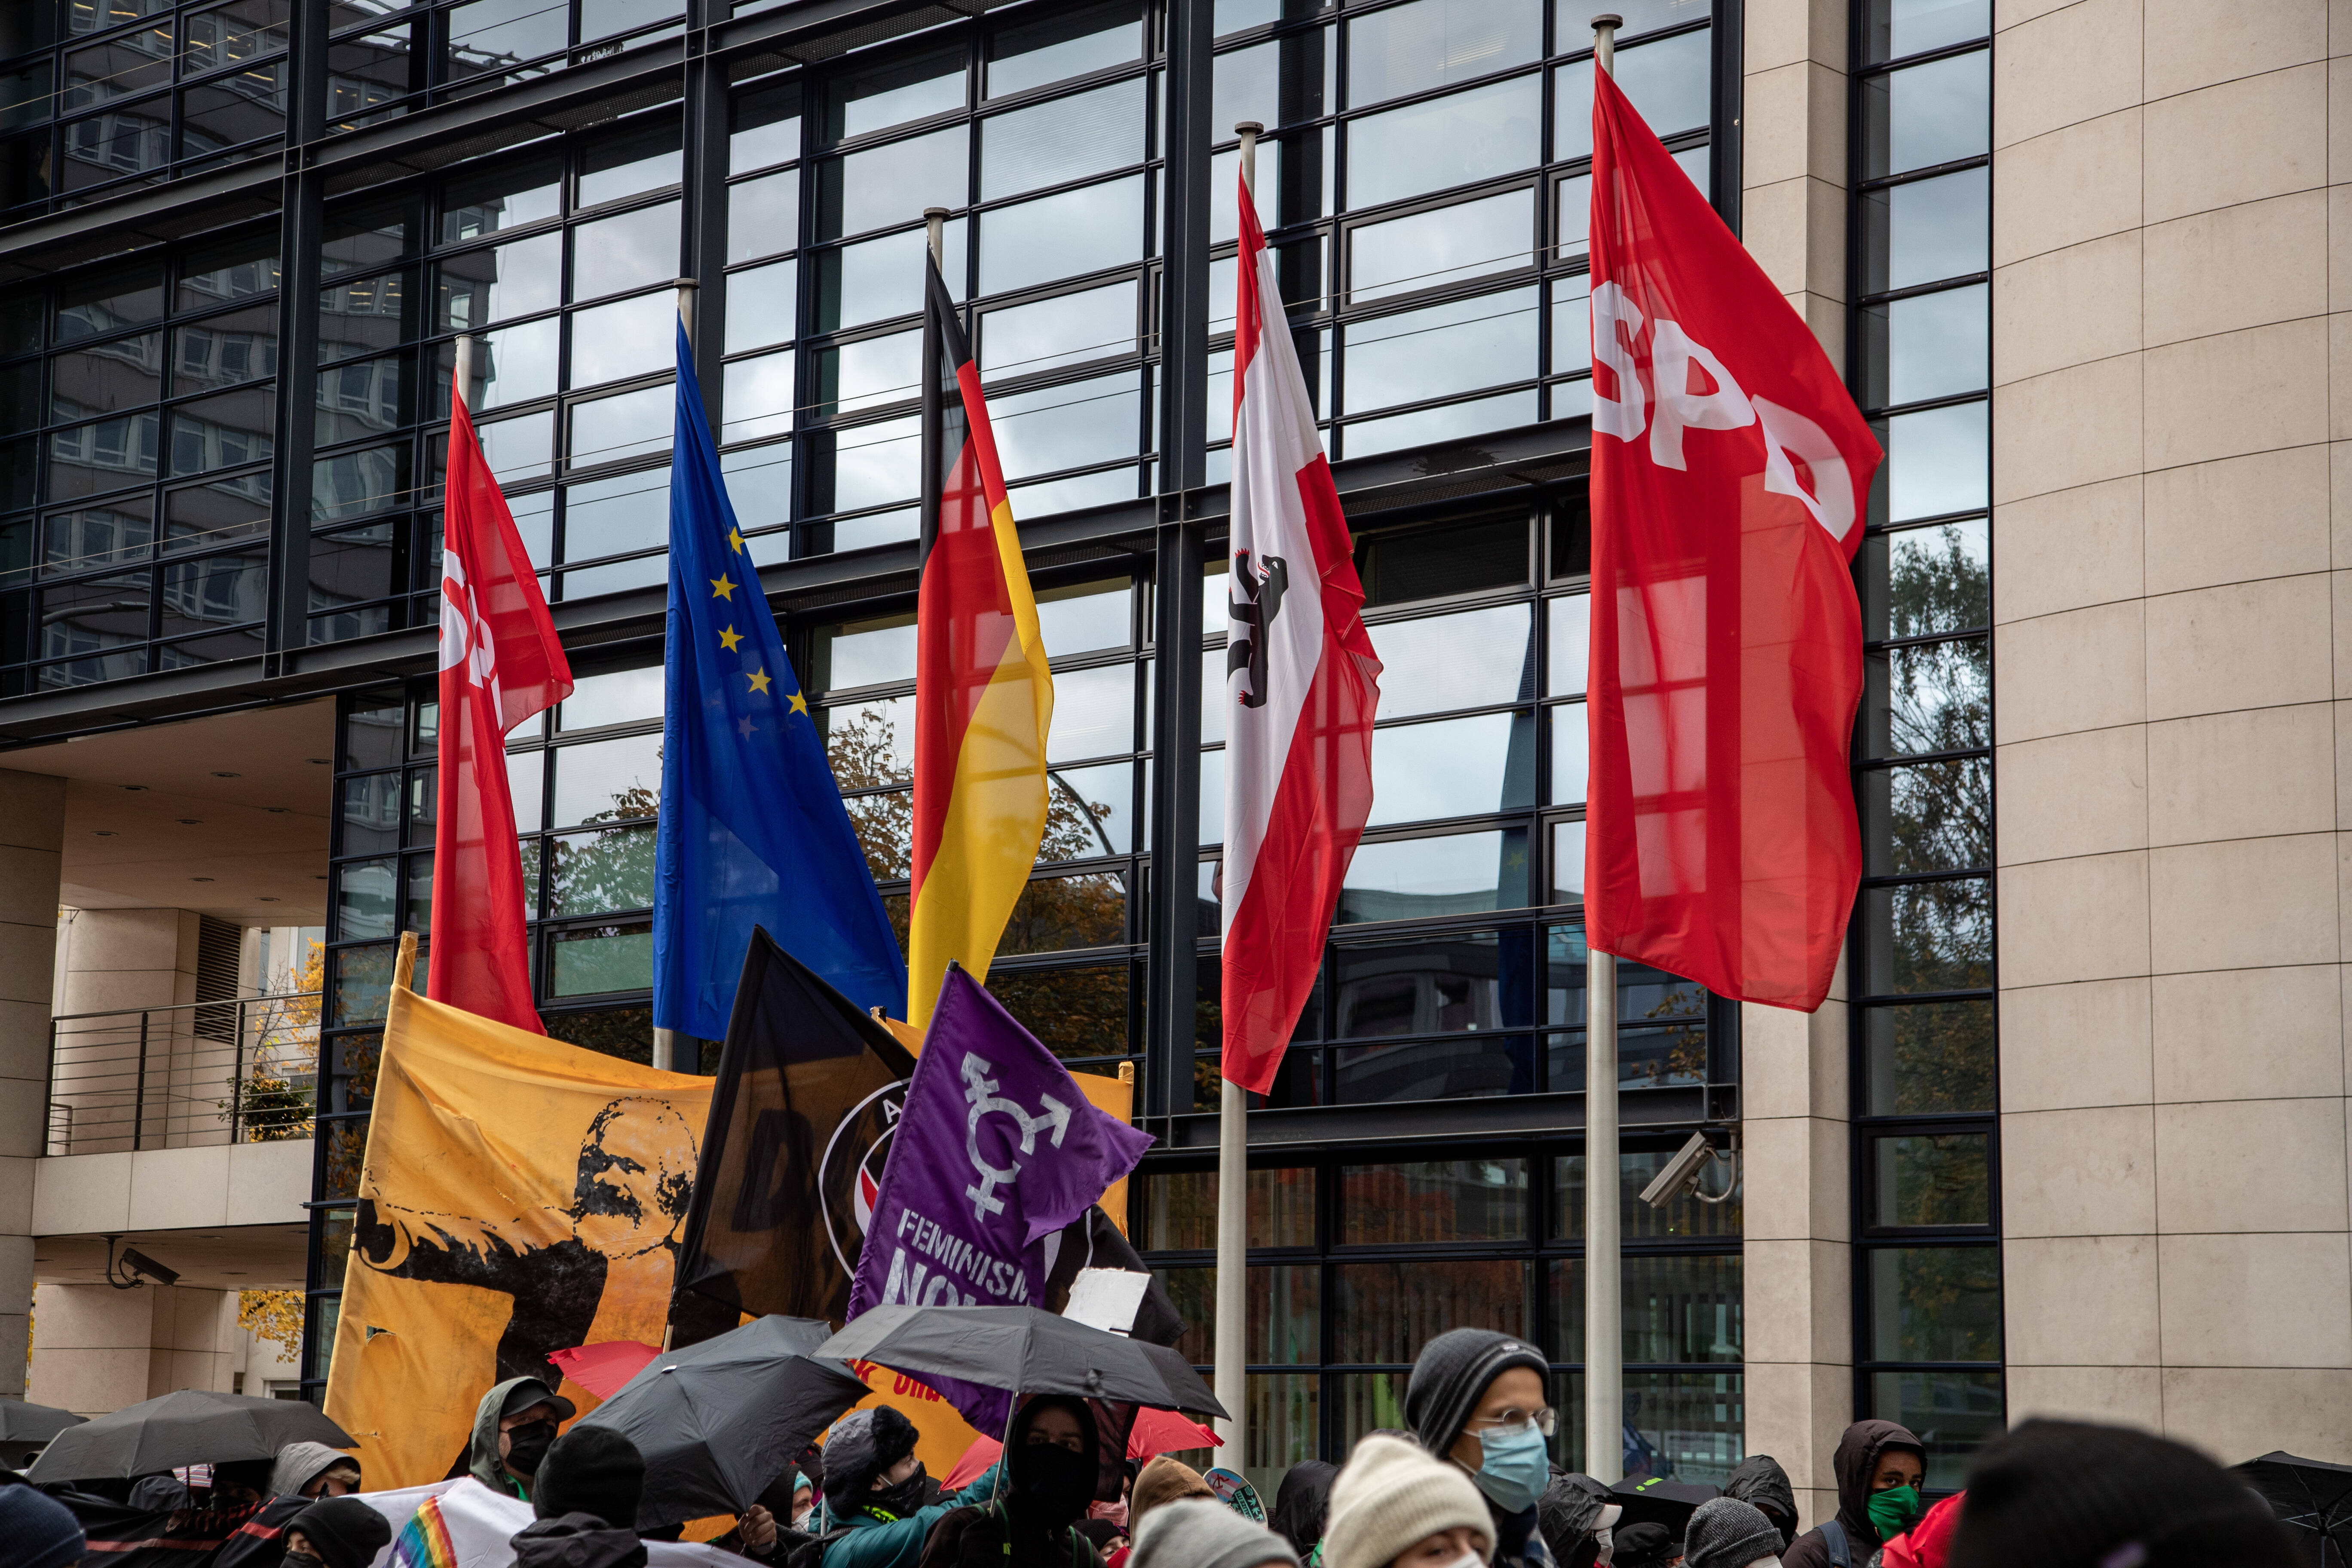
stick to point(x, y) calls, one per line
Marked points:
point(1479, 1399)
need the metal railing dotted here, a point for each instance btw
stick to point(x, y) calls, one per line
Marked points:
point(199, 1074)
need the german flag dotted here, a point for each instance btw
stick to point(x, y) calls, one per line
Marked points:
point(983, 695)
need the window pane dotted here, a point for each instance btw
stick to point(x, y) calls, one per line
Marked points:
point(1433, 249)
point(879, 97)
point(1475, 660)
point(96, 536)
point(484, 286)
point(866, 373)
point(1078, 231)
point(894, 183)
point(1931, 697)
point(601, 958)
point(1668, 83)
point(617, 697)
point(1284, 1324)
point(1568, 636)
point(1067, 329)
point(486, 35)
point(763, 216)
point(1571, 754)
point(1464, 873)
point(1447, 423)
point(1894, 29)
point(1445, 141)
point(1682, 1309)
point(635, 337)
point(222, 350)
point(634, 250)
point(1925, 582)
point(1954, 1414)
point(1062, 427)
point(1944, 1179)
point(1464, 983)
point(1572, 26)
point(1453, 767)
point(607, 517)
point(1058, 912)
point(1935, 1303)
point(1055, 49)
point(1441, 351)
point(1176, 1211)
point(512, 365)
point(1926, 115)
point(1094, 713)
point(599, 872)
point(1930, 345)
point(1938, 462)
point(223, 432)
point(1932, 816)
point(1411, 1202)
point(629, 425)
point(870, 465)
point(1927, 230)
point(364, 900)
point(630, 165)
point(1073, 1012)
point(607, 781)
point(1683, 1219)
point(106, 378)
point(477, 205)
point(1936, 936)
point(1929, 1058)
point(1062, 140)
point(1276, 83)
point(766, 128)
point(1387, 1311)
point(1430, 43)
point(878, 278)
point(761, 306)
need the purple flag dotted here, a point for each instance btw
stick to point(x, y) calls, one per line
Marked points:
point(996, 1150)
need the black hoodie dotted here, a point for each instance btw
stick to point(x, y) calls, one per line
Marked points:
point(1759, 1480)
point(577, 1540)
point(1856, 1462)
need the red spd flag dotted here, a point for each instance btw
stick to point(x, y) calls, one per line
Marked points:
point(1729, 474)
point(1302, 679)
point(500, 663)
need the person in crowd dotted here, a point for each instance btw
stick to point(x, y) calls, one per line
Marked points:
point(2069, 1494)
point(877, 1510)
point(1478, 1398)
point(1645, 1545)
point(1928, 1544)
point(336, 1532)
point(155, 1494)
point(1879, 1466)
point(1160, 1482)
point(1300, 1506)
point(514, 1426)
point(1577, 1521)
point(1393, 1503)
point(1202, 1532)
point(241, 1483)
point(1729, 1533)
point(1106, 1535)
point(39, 1531)
point(1760, 1481)
point(584, 1499)
point(803, 1500)
point(1053, 1463)
point(313, 1470)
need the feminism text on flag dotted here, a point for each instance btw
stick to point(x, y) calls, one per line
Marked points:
point(913, 1282)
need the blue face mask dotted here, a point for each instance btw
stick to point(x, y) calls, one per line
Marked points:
point(1516, 1469)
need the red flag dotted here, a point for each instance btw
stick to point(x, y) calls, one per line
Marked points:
point(1730, 474)
point(500, 663)
point(1302, 679)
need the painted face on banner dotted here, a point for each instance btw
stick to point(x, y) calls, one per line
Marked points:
point(636, 1178)
point(849, 1175)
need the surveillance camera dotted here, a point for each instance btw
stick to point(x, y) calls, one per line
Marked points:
point(1681, 1172)
point(139, 1262)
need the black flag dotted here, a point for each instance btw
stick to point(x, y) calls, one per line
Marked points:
point(809, 1091)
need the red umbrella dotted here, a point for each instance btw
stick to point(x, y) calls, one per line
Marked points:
point(603, 1368)
point(1155, 1432)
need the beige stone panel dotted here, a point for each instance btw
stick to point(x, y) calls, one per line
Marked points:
point(2064, 920)
point(1775, 125)
point(2250, 1165)
point(2072, 63)
point(2339, 28)
point(2343, 765)
point(1796, 1175)
point(2247, 1034)
point(1795, 231)
point(2072, 548)
point(32, 809)
point(2066, 307)
point(2065, 1047)
point(86, 1382)
point(2078, 1172)
point(2085, 669)
point(2084, 793)
point(1791, 1064)
point(2339, 135)
point(2073, 427)
point(2242, 644)
point(2079, 1300)
point(1796, 1412)
point(2255, 390)
point(1797, 1302)
point(2237, 1413)
point(2113, 1396)
point(2339, 211)
point(2340, 376)
point(2009, 14)
point(174, 1187)
point(81, 1194)
point(2255, 1300)
point(2245, 904)
point(1775, 32)
point(2240, 141)
point(2068, 186)
point(2191, 44)
point(266, 1182)
point(2238, 519)
point(2254, 773)
point(2246, 266)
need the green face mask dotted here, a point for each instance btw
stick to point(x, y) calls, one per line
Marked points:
point(1893, 1510)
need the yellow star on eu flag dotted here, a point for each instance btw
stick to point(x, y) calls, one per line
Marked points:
point(729, 638)
point(722, 588)
point(735, 540)
point(759, 678)
point(800, 703)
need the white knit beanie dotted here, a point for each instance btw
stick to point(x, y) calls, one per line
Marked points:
point(1393, 1496)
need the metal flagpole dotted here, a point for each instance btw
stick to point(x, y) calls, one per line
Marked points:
point(667, 1047)
point(1233, 1143)
point(1604, 1340)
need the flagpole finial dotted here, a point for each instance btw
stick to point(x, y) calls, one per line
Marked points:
point(1604, 40)
point(688, 287)
point(1249, 131)
point(935, 221)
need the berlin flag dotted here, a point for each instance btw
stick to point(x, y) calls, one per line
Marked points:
point(500, 663)
point(1304, 681)
point(1729, 474)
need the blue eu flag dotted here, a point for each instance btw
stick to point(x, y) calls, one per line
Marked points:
point(752, 828)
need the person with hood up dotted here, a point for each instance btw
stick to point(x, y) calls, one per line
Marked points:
point(241, 1483)
point(1301, 1505)
point(1578, 1519)
point(1726, 1532)
point(336, 1532)
point(1645, 1545)
point(514, 1426)
point(1161, 1481)
point(1761, 1482)
point(313, 1470)
point(1394, 1505)
point(1052, 1466)
point(1479, 1399)
point(877, 1511)
point(584, 1502)
point(1879, 1466)
point(1202, 1532)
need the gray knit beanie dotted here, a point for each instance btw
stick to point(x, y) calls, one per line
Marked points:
point(1199, 1532)
point(1728, 1533)
point(1451, 1376)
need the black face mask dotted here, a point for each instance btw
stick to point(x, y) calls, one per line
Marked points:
point(302, 1559)
point(1054, 1481)
point(903, 1499)
point(527, 1445)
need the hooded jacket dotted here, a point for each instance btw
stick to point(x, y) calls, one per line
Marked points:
point(577, 1540)
point(897, 1542)
point(1760, 1481)
point(482, 1461)
point(1855, 1462)
point(299, 1464)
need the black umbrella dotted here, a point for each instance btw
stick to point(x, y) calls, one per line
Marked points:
point(190, 1427)
point(24, 1428)
point(2312, 1498)
point(718, 1422)
point(1024, 1351)
point(1656, 1500)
